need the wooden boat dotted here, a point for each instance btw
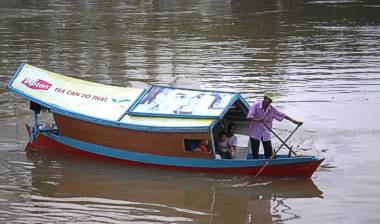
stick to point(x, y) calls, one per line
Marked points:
point(154, 127)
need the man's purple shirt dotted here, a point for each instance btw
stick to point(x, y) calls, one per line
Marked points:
point(257, 130)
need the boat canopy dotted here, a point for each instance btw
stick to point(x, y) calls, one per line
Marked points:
point(156, 106)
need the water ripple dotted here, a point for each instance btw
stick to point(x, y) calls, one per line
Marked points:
point(82, 209)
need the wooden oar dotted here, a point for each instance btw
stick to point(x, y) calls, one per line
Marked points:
point(275, 153)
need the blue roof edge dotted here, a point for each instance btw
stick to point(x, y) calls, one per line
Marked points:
point(14, 76)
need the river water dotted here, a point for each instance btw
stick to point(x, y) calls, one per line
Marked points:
point(322, 57)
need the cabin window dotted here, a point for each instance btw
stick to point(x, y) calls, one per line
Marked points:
point(197, 145)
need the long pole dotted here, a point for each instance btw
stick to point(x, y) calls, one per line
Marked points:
point(275, 153)
point(282, 141)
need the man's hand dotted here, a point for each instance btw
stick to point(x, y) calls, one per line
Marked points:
point(256, 119)
point(260, 120)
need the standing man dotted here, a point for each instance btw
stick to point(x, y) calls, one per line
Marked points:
point(260, 113)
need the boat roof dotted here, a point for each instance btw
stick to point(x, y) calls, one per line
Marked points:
point(156, 106)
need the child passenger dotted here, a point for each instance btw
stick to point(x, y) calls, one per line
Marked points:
point(225, 150)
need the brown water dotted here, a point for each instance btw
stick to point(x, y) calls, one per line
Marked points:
point(322, 57)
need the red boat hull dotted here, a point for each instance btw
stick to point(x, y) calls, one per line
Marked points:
point(300, 170)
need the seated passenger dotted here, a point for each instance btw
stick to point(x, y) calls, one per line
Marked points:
point(202, 147)
point(225, 151)
point(232, 140)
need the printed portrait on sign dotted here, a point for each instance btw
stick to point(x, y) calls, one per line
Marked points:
point(170, 101)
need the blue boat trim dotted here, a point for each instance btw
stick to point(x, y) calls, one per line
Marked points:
point(119, 124)
point(172, 161)
point(172, 115)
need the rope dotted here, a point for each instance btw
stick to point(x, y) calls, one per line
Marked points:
point(212, 206)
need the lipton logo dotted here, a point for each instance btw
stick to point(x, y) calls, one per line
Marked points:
point(37, 85)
